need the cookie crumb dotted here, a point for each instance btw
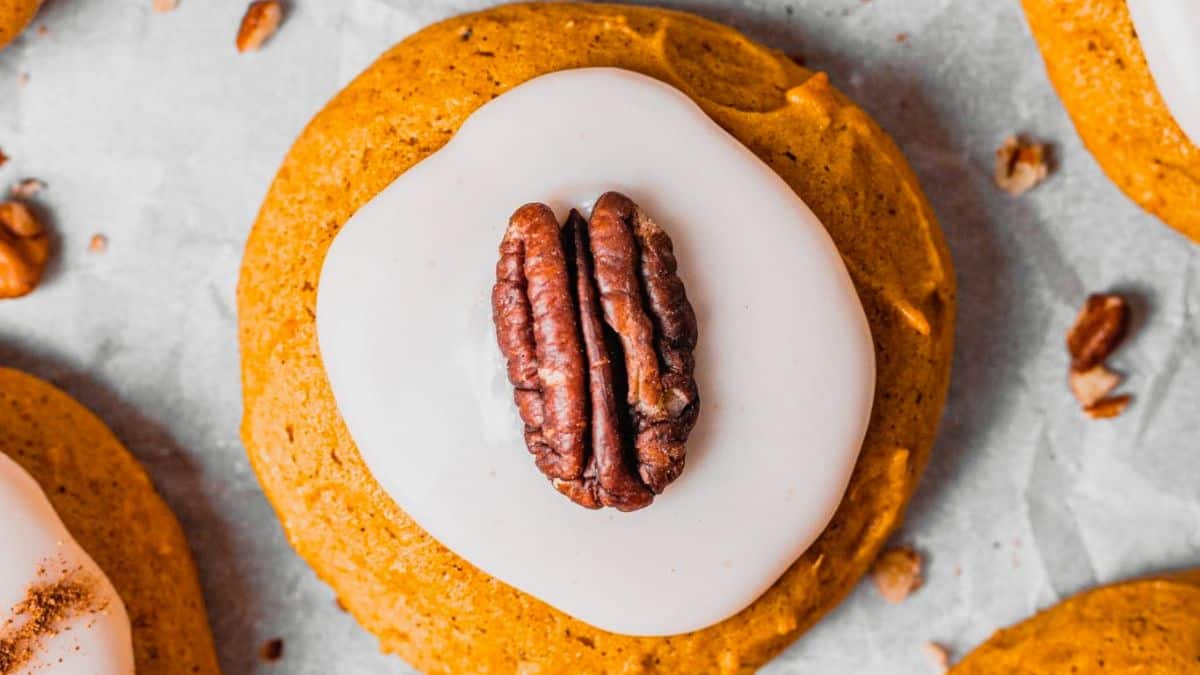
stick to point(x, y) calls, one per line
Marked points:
point(271, 650)
point(939, 656)
point(23, 79)
point(897, 573)
point(901, 38)
point(27, 188)
point(164, 6)
point(1020, 165)
point(42, 30)
point(3, 158)
point(98, 243)
point(258, 24)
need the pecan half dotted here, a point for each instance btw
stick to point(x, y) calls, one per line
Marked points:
point(598, 335)
point(24, 249)
point(1098, 331)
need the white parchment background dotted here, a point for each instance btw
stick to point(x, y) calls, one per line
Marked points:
point(152, 130)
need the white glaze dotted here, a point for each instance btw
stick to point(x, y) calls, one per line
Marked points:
point(1169, 31)
point(33, 539)
point(785, 363)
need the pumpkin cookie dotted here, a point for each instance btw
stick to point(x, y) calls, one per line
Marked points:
point(14, 16)
point(103, 497)
point(1097, 63)
point(424, 601)
point(1143, 626)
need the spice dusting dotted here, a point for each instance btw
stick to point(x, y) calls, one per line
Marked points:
point(41, 615)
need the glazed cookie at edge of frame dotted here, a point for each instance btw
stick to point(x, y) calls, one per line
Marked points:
point(1096, 63)
point(108, 504)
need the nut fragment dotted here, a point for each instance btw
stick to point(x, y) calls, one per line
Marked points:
point(1098, 330)
point(598, 335)
point(897, 573)
point(1108, 407)
point(24, 249)
point(1020, 165)
point(259, 23)
point(939, 656)
point(1096, 334)
point(271, 650)
point(1093, 384)
point(27, 188)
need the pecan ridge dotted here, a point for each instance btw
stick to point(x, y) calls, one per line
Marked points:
point(599, 336)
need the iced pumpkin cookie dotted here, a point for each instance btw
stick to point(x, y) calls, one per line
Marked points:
point(592, 338)
point(1127, 74)
point(95, 575)
point(1143, 626)
point(14, 16)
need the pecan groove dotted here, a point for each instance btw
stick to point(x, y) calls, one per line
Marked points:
point(598, 335)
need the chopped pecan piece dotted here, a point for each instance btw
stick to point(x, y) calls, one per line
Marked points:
point(1020, 165)
point(897, 573)
point(1108, 407)
point(598, 335)
point(1098, 330)
point(24, 249)
point(259, 23)
point(1093, 384)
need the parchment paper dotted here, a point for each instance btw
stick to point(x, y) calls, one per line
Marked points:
point(152, 130)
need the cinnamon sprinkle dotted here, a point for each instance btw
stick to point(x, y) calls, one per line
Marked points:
point(45, 608)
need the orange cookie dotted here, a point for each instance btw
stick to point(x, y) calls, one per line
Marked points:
point(14, 16)
point(107, 503)
point(423, 601)
point(1096, 63)
point(1143, 626)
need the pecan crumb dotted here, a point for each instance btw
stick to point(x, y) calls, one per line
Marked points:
point(26, 188)
point(897, 573)
point(3, 158)
point(259, 23)
point(1108, 407)
point(939, 656)
point(1098, 331)
point(1020, 165)
point(901, 38)
point(98, 243)
point(24, 249)
point(164, 6)
point(271, 650)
